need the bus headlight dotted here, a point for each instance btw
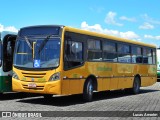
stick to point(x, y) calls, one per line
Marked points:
point(55, 76)
point(15, 76)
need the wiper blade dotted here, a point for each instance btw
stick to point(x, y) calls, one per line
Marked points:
point(28, 42)
point(44, 43)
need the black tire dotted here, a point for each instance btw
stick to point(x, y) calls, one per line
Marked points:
point(88, 91)
point(136, 85)
point(47, 96)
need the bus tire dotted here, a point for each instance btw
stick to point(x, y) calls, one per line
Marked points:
point(88, 91)
point(136, 85)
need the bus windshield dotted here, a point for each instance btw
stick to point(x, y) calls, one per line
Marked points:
point(37, 52)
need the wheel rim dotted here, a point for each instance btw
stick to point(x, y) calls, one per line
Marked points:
point(136, 86)
point(90, 89)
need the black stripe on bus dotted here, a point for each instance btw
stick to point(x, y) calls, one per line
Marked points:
point(106, 77)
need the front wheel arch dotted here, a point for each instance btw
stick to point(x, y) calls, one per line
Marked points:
point(94, 80)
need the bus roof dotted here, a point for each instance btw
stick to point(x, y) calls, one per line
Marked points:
point(107, 36)
point(61, 26)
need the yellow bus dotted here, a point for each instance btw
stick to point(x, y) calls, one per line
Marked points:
point(60, 60)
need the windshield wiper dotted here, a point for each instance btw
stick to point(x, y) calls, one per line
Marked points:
point(44, 43)
point(28, 42)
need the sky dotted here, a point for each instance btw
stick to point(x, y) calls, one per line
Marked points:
point(132, 19)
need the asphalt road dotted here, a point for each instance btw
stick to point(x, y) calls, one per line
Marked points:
point(110, 101)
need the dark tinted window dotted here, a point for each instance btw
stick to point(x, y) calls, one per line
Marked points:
point(124, 53)
point(94, 50)
point(149, 56)
point(74, 50)
point(109, 51)
point(154, 56)
point(39, 31)
point(110, 57)
point(136, 50)
point(122, 48)
point(137, 54)
point(94, 55)
point(145, 51)
point(145, 57)
point(109, 46)
point(94, 44)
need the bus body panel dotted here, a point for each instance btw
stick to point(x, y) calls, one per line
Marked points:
point(109, 76)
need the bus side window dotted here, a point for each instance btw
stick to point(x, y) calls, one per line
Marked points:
point(124, 53)
point(154, 56)
point(73, 55)
point(145, 55)
point(94, 50)
point(137, 54)
point(109, 51)
point(150, 56)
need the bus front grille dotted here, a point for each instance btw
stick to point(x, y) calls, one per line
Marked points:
point(33, 75)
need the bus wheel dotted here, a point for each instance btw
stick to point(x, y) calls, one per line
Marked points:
point(47, 96)
point(88, 91)
point(136, 85)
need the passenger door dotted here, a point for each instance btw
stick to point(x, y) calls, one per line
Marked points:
point(73, 64)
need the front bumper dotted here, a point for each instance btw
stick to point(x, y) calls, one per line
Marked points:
point(53, 87)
